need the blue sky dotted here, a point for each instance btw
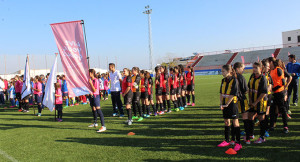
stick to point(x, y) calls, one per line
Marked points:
point(118, 30)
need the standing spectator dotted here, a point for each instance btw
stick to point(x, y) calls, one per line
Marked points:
point(293, 67)
point(5, 89)
point(116, 79)
point(2, 88)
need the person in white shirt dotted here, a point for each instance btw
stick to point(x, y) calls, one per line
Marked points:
point(115, 89)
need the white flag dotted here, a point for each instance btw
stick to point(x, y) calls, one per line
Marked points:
point(49, 97)
point(26, 89)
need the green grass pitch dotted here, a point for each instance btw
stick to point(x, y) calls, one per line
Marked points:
point(189, 135)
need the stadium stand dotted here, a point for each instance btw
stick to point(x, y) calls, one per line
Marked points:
point(211, 64)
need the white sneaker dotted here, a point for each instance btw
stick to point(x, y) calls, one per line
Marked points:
point(102, 129)
point(126, 121)
point(129, 122)
point(93, 125)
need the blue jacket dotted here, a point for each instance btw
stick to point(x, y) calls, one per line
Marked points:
point(64, 86)
point(293, 68)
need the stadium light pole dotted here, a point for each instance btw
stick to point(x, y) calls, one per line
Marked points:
point(148, 11)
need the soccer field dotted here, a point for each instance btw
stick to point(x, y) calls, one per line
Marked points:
point(189, 135)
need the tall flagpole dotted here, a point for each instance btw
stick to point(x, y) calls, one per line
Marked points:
point(5, 63)
point(46, 62)
point(87, 51)
point(99, 62)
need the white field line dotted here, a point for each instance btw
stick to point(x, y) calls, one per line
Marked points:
point(7, 156)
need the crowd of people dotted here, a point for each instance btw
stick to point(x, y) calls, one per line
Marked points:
point(269, 90)
point(135, 86)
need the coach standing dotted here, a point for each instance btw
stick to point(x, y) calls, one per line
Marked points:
point(115, 89)
point(293, 67)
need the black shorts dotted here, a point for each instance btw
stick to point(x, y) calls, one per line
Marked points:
point(190, 87)
point(243, 105)
point(150, 97)
point(166, 91)
point(65, 94)
point(144, 95)
point(136, 96)
point(173, 91)
point(231, 112)
point(128, 98)
point(158, 91)
point(58, 107)
point(184, 87)
point(18, 96)
point(38, 98)
point(269, 100)
point(178, 90)
point(278, 100)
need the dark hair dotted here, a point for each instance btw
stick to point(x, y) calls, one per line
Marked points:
point(192, 69)
point(112, 64)
point(93, 72)
point(264, 62)
point(230, 69)
point(129, 72)
point(157, 69)
point(136, 69)
point(274, 61)
point(292, 56)
point(181, 68)
point(176, 68)
point(281, 64)
point(171, 69)
point(143, 72)
point(259, 64)
point(237, 65)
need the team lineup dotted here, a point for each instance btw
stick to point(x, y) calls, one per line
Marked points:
point(268, 93)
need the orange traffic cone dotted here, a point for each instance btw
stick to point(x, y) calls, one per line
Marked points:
point(230, 151)
point(131, 134)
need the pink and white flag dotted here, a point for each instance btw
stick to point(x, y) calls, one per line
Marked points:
point(70, 42)
point(243, 59)
point(257, 58)
point(272, 55)
point(289, 53)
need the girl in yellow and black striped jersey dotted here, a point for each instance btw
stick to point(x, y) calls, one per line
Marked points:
point(228, 104)
point(242, 98)
point(258, 90)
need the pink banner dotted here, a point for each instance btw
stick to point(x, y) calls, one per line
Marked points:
point(289, 53)
point(70, 42)
point(272, 55)
point(257, 58)
point(243, 59)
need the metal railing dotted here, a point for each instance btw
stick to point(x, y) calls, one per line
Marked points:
point(248, 49)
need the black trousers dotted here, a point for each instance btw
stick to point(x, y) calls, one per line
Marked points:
point(293, 87)
point(116, 102)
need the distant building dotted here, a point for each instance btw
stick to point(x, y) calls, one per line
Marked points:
point(291, 38)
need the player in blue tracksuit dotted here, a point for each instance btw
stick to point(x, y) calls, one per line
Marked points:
point(64, 89)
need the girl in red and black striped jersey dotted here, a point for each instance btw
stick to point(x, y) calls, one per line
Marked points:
point(173, 87)
point(144, 94)
point(178, 92)
point(166, 88)
point(150, 93)
point(159, 88)
point(190, 77)
point(127, 93)
point(183, 85)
